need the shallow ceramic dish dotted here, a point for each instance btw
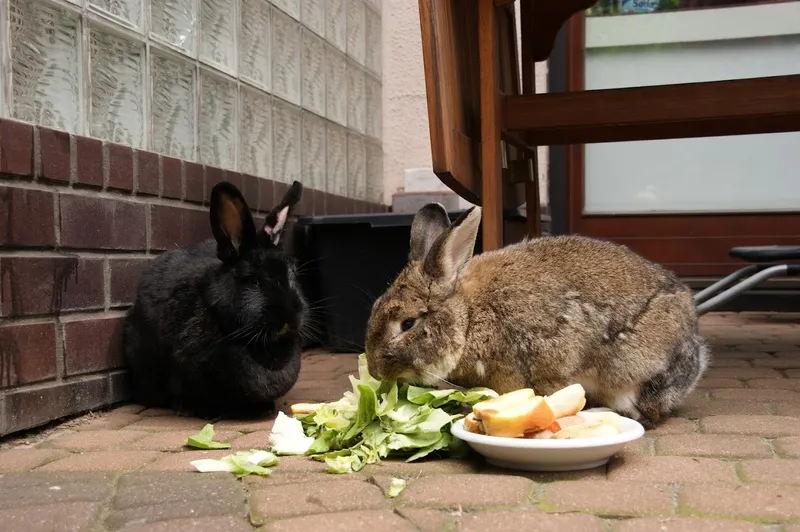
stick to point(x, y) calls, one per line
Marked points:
point(549, 455)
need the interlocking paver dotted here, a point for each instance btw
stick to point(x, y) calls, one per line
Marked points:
point(755, 394)
point(765, 426)
point(772, 471)
point(181, 461)
point(102, 461)
point(167, 422)
point(185, 490)
point(302, 499)
point(687, 524)
point(773, 384)
point(172, 440)
point(512, 521)
point(700, 408)
point(202, 524)
point(666, 469)
point(113, 420)
point(720, 445)
point(14, 460)
point(253, 440)
point(429, 519)
point(609, 498)
point(674, 425)
point(720, 382)
point(71, 517)
point(788, 447)
point(174, 510)
point(365, 521)
point(468, 491)
point(94, 440)
point(751, 501)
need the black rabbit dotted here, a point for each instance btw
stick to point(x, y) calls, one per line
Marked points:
point(215, 329)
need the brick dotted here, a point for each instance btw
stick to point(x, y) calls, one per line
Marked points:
point(673, 425)
point(27, 353)
point(54, 492)
point(761, 394)
point(147, 169)
point(249, 189)
point(724, 446)
point(254, 440)
point(764, 426)
point(18, 460)
point(730, 363)
point(61, 478)
point(93, 344)
point(120, 386)
point(179, 490)
point(102, 223)
point(721, 383)
point(429, 520)
point(773, 471)
point(775, 384)
point(180, 461)
point(151, 412)
point(175, 440)
point(110, 421)
point(364, 521)
point(398, 467)
point(29, 407)
point(120, 167)
point(468, 491)
point(195, 179)
point(743, 355)
point(89, 155)
point(319, 202)
point(228, 524)
point(779, 363)
point(176, 227)
point(687, 524)
point(235, 178)
point(266, 195)
point(793, 354)
point(305, 499)
point(172, 178)
point(743, 373)
point(71, 517)
point(46, 285)
point(94, 440)
point(125, 275)
point(54, 147)
point(751, 501)
point(16, 148)
point(170, 422)
point(27, 219)
point(213, 177)
point(511, 521)
point(699, 408)
point(302, 464)
point(666, 469)
point(244, 425)
point(608, 498)
point(168, 512)
point(788, 447)
point(793, 373)
point(102, 461)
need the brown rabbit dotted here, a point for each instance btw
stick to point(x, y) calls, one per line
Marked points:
point(543, 313)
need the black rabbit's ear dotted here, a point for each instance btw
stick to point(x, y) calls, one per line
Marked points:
point(231, 222)
point(430, 222)
point(276, 219)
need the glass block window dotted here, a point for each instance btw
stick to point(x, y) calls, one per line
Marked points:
point(281, 89)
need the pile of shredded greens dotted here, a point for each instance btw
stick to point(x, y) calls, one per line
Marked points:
point(382, 418)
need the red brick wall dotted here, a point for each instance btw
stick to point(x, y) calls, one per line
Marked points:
point(79, 219)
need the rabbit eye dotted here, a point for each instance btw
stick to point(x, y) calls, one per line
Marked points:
point(407, 324)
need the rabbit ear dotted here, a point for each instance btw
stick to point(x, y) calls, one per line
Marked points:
point(454, 248)
point(430, 222)
point(231, 222)
point(276, 219)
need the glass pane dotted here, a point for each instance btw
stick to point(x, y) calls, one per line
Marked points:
point(173, 107)
point(218, 121)
point(373, 42)
point(313, 73)
point(127, 10)
point(256, 133)
point(373, 92)
point(356, 98)
point(217, 44)
point(374, 173)
point(336, 144)
point(254, 42)
point(336, 86)
point(336, 26)
point(45, 65)
point(290, 7)
point(117, 70)
point(356, 167)
point(313, 151)
point(175, 21)
point(286, 141)
point(356, 30)
point(312, 13)
point(285, 57)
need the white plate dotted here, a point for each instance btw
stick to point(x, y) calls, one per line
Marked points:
point(549, 455)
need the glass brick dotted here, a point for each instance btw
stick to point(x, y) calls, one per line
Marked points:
point(255, 43)
point(374, 173)
point(45, 65)
point(256, 133)
point(173, 107)
point(336, 25)
point(356, 98)
point(356, 30)
point(129, 11)
point(218, 121)
point(175, 21)
point(375, 5)
point(313, 151)
point(372, 56)
point(290, 7)
point(312, 14)
point(117, 100)
point(356, 167)
point(374, 107)
point(218, 26)
point(336, 160)
point(335, 86)
point(286, 133)
point(285, 57)
point(313, 73)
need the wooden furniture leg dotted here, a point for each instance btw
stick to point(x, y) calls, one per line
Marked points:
point(491, 111)
point(532, 200)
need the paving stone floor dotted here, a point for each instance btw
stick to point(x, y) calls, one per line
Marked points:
point(728, 461)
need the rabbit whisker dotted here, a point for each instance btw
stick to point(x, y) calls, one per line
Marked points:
point(445, 381)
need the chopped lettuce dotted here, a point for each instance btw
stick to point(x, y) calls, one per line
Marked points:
point(242, 463)
point(396, 486)
point(287, 436)
point(382, 418)
point(205, 439)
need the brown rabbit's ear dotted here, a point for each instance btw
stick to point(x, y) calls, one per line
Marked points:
point(429, 223)
point(453, 249)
